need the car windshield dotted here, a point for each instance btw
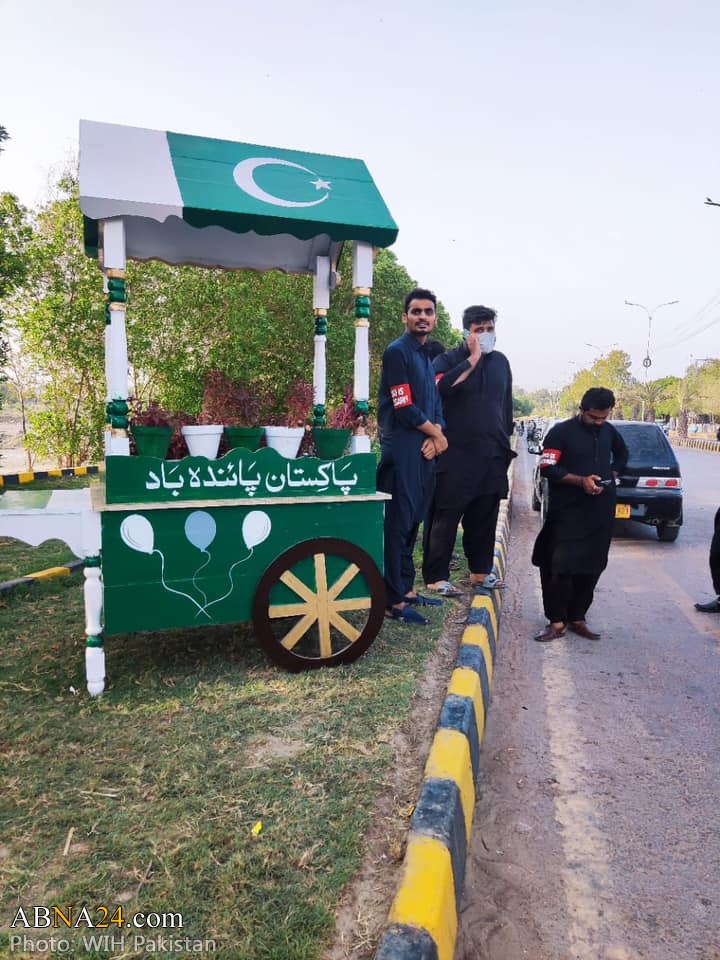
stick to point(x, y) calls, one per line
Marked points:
point(646, 442)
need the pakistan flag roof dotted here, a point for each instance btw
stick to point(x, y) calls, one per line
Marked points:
point(187, 199)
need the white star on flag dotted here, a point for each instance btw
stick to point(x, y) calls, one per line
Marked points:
point(320, 184)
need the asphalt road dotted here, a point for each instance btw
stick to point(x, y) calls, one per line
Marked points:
point(596, 835)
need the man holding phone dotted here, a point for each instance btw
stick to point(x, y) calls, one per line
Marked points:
point(582, 457)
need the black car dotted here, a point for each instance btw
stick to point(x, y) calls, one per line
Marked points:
point(650, 488)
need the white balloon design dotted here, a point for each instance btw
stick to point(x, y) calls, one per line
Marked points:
point(200, 529)
point(256, 528)
point(137, 533)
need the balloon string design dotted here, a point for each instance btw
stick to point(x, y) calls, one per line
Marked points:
point(180, 593)
point(232, 585)
point(195, 575)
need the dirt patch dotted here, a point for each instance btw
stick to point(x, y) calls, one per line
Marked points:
point(367, 900)
point(13, 456)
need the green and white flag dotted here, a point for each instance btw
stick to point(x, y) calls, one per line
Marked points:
point(242, 188)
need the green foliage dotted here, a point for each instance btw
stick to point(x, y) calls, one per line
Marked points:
point(182, 324)
point(196, 740)
point(15, 232)
point(522, 404)
point(58, 312)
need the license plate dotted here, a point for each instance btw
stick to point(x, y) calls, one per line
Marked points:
point(622, 511)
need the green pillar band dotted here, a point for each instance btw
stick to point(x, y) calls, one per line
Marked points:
point(362, 409)
point(319, 418)
point(94, 642)
point(321, 326)
point(362, 308)
point(116, 414)
point(91, 562)
point(116, 290)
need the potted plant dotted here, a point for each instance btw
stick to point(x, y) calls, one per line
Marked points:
point(284, 432)
point(151, 428)
point(203, 433)
point(244, 405)
point(331, 440)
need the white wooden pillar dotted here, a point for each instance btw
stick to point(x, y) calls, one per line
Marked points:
point(362, 285)
point(112, 234)
point(321, 304)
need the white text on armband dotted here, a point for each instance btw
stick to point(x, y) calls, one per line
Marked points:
point(401, 395)
point(550, 457)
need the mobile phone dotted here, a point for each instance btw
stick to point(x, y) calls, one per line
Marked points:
point(604, 483)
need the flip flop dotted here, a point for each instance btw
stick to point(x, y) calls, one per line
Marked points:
point(446, 589)
point(491, 582)
point(406, 615)
point(419, 601)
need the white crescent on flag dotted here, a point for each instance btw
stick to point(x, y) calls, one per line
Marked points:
point(243, 174)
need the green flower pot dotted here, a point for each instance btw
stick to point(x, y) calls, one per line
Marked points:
point(151, 441)
point(330, 442)
point(247, 437)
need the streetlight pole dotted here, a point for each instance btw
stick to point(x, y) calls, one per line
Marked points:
point(647, 362)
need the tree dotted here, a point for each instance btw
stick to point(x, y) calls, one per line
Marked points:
point(687, 395)
point(58, 312)
point(15, 232)
point(182, 322)
point(648, 395)
point(708, 385)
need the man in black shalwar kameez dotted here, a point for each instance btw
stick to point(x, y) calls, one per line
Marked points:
point(475, 385)
point(581, 459)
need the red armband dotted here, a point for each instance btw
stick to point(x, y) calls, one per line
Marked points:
point(550, 458)
point(401, 395)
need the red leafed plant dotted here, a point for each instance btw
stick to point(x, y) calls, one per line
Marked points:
point(343, 416)
point(150, 414)
point(233, 403)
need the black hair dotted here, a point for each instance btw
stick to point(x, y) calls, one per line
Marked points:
point(419, 294)
point(478, 314)
point(597, 398)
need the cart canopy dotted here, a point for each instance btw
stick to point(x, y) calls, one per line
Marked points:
point(219, 203)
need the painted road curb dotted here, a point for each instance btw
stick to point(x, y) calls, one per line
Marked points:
point(14, 479)
point(696, 443)
point(423, 919)
point(62, 571)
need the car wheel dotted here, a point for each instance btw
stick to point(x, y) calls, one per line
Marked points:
point(666, 533)
point(544, 506)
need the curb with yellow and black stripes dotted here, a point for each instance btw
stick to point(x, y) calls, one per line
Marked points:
point(15, 479)
point(423, 919)
point(64, 570)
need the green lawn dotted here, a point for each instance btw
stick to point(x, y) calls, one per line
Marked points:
point(204, 781)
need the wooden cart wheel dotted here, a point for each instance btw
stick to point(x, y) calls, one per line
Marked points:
point(321, 603)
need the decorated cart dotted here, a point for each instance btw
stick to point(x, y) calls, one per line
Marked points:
point(293, 545)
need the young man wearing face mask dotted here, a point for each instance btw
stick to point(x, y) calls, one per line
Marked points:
point(475, 385)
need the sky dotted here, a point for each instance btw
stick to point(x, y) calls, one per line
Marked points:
point(550, 160)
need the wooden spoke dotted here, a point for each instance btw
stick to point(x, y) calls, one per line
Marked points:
point(319, 604)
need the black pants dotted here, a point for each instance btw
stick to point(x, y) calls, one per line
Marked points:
point(715, 555)
point(411, 485)
point(567, 596)
point(479, 522)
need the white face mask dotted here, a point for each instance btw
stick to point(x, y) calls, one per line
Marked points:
point(487, 342)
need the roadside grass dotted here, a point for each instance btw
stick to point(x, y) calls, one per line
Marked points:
point(204, 781)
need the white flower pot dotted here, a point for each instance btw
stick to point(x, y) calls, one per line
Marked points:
point(203, 440)
point(286, 440)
